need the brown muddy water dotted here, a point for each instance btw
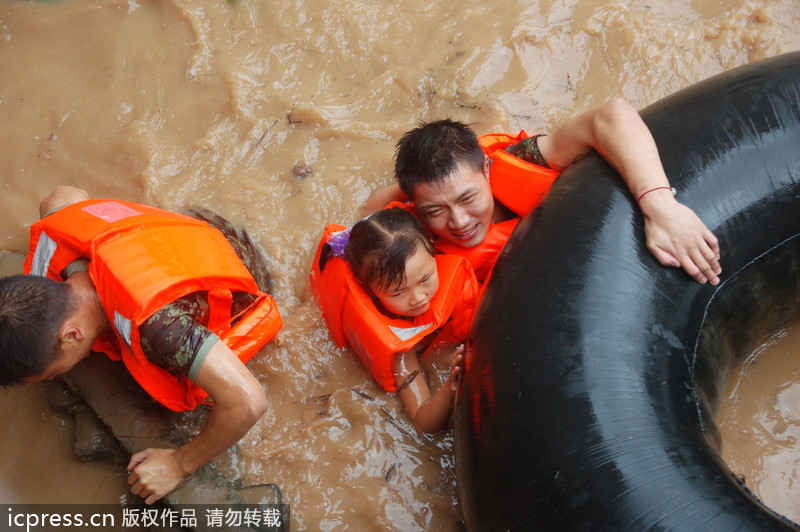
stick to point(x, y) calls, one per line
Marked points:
point(283, 116)
point(759, 420)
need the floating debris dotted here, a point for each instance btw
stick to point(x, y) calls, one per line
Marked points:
point(302, 171)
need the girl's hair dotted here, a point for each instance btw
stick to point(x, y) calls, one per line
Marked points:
point(380, 245)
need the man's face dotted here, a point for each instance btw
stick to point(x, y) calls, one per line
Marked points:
point(459, 209)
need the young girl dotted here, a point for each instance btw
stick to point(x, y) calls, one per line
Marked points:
point(384, 292)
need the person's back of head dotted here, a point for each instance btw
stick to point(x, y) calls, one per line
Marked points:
point(432, 151)
point(32, 310)
point(379, 247)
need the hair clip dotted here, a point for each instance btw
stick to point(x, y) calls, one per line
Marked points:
point(338, 242)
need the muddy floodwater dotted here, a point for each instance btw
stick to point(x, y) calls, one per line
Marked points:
point(283, 116)
point(760, 421)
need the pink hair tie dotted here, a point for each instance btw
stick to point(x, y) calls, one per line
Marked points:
point(646, 192)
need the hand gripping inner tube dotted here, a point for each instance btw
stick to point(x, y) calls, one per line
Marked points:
point(590, 391)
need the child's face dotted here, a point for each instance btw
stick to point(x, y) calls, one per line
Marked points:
point(414, 296)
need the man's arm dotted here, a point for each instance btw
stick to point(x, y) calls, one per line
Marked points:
point(675, 235)
point(239, 402)
point(381, 198)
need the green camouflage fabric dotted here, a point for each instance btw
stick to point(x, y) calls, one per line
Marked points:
point(528, 150)
point(172, 337)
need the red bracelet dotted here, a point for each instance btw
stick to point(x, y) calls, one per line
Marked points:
point(646, 192)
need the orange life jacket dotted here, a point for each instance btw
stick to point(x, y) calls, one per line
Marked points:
point(142, 258)
point(353, 319)
point(517, 184)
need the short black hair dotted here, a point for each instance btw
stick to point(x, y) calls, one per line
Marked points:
point(32, 311)
point(432, 151)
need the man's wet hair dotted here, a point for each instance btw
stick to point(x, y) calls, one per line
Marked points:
point(32, 310)
point(432, 151)
point(380, 246)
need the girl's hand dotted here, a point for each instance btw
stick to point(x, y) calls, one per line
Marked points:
point(456, 367)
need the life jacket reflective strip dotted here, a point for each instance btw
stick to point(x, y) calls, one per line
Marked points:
point(142, 258)
point(353, 319)
point(517, 184)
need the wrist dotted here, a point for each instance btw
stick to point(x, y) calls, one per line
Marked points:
point(654, 200)
point(659, 189)
point(184, 463)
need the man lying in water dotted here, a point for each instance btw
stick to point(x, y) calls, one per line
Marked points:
point(165, 293)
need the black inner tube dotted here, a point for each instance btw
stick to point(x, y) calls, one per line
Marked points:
point(595, 373)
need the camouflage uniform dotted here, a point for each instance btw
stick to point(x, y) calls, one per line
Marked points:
point(528, 150)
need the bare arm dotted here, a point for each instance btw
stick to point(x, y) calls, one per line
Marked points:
point(428, 413)
point(382, 197)
point(674, 233)
point(239, 402)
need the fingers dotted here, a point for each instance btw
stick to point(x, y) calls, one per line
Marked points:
point(142, 481)
point(455, 373)
point(699, 258)
point(137, 487)
point(136, 459)
point(140, 489)
point(664, 258)
point(678, 238)
point(456, 367)
point(458, 359)
point(702, 265)
point(705, 259)
point(709, 267)
point(150, 496)
point(712, 241)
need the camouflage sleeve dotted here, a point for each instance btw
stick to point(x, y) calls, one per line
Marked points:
point(528, 150)
point(174, 336)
